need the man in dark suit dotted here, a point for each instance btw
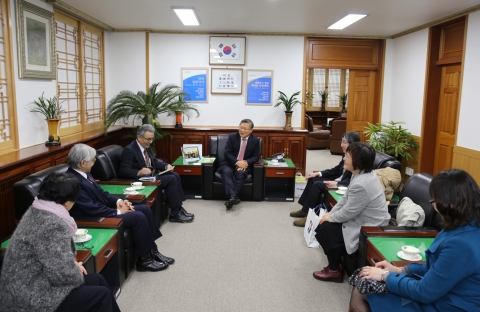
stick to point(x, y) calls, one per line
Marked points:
point(316, 190)
point(138, 161)
point(241, 152)
point(92, 201)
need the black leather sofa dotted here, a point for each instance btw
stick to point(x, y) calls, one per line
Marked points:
point(383, 160)
point(212, 180)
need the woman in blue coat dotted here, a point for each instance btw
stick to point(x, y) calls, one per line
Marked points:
point(450, 278)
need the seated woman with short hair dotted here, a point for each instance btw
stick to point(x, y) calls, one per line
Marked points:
point(450, 278)
point(39, 270)
point(363, 204)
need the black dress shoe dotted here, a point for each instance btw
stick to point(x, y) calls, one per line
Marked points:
point(180, 218)
point(228, 205)
point(148, 264)
point(187, 214)
point(161, 258)
point(234, 200)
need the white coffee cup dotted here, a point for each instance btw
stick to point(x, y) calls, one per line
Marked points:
point(274, 161)
point(81, 234)
point(130, 190)
point(342, 188)
point(137, 185)
point(410, 250)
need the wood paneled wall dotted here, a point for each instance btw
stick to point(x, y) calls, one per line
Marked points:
point(468, 160)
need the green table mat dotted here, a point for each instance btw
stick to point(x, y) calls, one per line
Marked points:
point(390, 246)
point(118, 189)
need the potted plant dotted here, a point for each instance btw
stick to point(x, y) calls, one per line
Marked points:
point(289, 103)
point(52, 110)
point(324, 97)
point(147, 106)
point(180, 112)
point(343, 98)
point(391, 139)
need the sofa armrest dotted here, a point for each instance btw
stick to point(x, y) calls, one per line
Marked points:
point(258, 181)
point(208, 172)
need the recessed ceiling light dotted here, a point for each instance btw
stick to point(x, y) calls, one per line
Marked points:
point(347, 20)
point(187, 15)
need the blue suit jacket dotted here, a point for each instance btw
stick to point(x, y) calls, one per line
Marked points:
point(451, 276)
point(132, 161)
point(92, 201)
point(232, 148)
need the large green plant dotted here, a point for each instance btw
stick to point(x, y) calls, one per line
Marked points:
point(147, 106)
point(288, 102)
point(50, 108)
point(391, 139)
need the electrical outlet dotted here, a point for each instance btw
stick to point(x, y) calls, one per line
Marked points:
point(409, 171)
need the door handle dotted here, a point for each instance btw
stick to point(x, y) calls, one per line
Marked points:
point(186, 170)
point(109, 254)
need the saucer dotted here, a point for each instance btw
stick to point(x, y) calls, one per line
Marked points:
point(131, 193)
point(340, 192)
point(273, 164)
point(139, 187)
point(83, 240)
point(403, 256)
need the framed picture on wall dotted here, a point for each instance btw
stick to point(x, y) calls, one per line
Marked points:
point(195, 84)
point(35, 39)
point(226, 80)
point(227, 50)
point(259, 83)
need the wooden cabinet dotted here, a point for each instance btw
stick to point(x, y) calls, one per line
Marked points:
point(292, 146)
point(176, 143)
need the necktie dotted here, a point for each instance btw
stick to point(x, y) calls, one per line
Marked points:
point(90, 179)
point(242, 149)
point(147, 159)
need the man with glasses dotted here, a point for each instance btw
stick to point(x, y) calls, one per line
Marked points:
point(316, 190)
point(242, 150)
point(137, 161)
point(93, 201)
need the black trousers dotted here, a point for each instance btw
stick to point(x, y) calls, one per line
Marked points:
point(233, 180)
point(315, 192)
point(93, 295)
point(330, 237)
point(144, 228)
point(172, 184)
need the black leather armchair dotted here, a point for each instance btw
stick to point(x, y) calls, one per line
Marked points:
point(213, 184)
point(383, 160)
point(417, 189)
point(24, 193)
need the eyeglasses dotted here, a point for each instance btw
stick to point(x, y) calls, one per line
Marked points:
point(243, 129)
point(149, 139)
point(344, 142)
point(431, 201)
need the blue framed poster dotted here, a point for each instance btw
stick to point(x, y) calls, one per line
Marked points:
point(259, 87)
point(194, 83)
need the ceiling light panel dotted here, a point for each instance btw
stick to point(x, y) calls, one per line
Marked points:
point(187, 15)
point(347, 21)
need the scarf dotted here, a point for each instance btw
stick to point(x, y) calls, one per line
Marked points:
point(56, 209)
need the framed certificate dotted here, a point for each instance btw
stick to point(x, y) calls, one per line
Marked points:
point(227, 50)
point(226, 81)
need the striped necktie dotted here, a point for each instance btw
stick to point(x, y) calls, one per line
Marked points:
point(147, 159)
point(242, 149)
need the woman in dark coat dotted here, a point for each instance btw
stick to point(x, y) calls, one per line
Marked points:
point(39, 271)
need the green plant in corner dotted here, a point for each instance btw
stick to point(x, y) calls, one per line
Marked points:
point(323, 95)
point(391, 139)
point(50, 108)
point(288, 102)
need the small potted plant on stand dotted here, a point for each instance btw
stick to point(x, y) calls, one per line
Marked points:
point(289, 103)
point(391, 139)
point(51, 109)
point(324, 97)
point(343, 98)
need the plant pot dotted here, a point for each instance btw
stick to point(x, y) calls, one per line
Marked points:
point(343, 107)
point(323, 106)
point(288, 121)
point(178, 120)
point(53, 137)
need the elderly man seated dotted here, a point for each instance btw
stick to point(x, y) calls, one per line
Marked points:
point(94, 202)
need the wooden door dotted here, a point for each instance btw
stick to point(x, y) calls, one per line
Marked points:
point(447, 117)
point(361, 100)
point(277, 145)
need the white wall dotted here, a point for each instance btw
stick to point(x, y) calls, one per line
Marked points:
point(470, 105)
point(283, 55)
point(404, 80)
point(32, 127)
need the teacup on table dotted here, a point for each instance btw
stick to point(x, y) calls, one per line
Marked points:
point(342, 188)
point(137, 185)
point(81, 234)
point(410, 250)
point(274, 162)
point(130, 190)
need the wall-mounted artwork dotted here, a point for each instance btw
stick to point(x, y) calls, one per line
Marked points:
point(35, 39)
point(194, 83)
point(226, 80)
point(259, 86)
point(227, 50)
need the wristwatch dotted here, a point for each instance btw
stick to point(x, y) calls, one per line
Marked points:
point(384, 274)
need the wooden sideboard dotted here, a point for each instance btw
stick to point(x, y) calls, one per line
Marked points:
point(274, 140)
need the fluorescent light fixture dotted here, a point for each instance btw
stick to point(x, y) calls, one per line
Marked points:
point(347, 21)
point(187, 15)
